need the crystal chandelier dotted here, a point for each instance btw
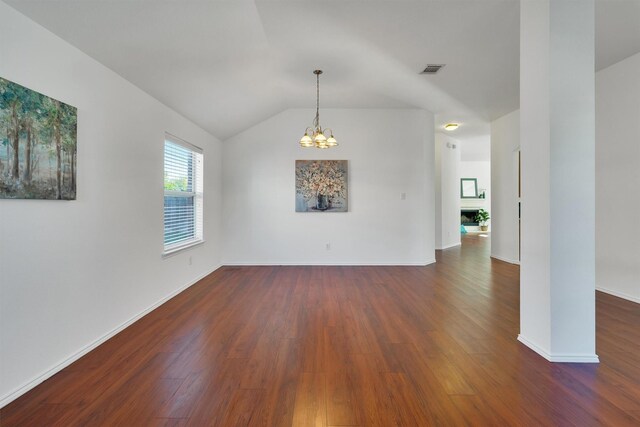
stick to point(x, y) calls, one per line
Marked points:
point(315, 136)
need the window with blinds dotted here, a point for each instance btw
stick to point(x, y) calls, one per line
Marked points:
point(183, 194)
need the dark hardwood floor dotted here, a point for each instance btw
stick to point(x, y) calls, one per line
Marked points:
point(345, 346)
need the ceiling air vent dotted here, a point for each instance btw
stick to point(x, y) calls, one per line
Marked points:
point(432, 68)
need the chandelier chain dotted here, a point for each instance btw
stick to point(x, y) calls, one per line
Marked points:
point(316, 121)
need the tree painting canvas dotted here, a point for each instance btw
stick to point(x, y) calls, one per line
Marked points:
point(321, 186)
point(38, 138)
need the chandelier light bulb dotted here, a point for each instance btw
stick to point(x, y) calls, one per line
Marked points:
point(320, 139)
point(306, 141)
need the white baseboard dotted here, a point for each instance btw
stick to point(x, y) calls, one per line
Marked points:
point(559, 358)
point(333, 264)
point(449, 246)
point(12, 395)
point(510, 261)
point(618, 294)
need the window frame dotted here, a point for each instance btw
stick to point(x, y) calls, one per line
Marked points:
point(197, 194)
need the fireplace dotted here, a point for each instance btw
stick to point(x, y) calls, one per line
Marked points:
point(468, 216)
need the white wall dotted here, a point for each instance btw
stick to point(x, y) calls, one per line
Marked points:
point(476, 149)
point(390, 152)
point(505, 143)
point(618, 179)
point(71, 272)
point(447, 207)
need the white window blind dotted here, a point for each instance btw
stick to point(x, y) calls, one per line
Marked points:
point(183, 194)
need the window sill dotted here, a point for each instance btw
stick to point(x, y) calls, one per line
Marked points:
point(173, 251)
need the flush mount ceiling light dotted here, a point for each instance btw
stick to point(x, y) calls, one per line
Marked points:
point(451, 126)
point(314, 136)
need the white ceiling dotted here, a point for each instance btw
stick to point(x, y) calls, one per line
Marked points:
point(229, 64)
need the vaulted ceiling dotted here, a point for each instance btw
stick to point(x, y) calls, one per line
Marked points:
point(229, 64)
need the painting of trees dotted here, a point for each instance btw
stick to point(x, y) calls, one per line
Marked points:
point(38, 139)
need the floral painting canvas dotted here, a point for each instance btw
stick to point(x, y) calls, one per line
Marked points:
point(321, 186)
point(37, 145)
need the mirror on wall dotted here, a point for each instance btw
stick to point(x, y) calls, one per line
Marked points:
point(468, 188)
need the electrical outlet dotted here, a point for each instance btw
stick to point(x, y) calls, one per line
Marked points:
point(403, 196)
point(190, 260)
point(328, 246)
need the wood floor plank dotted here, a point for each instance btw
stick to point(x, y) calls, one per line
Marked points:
point(439, 408)
point(281, 389)
point(310, 407)
point(343, 399)
point(345, 346)
point(409, 408)
point(477, 412)
point(210, 406)
point(245, 409)
point(167, 422)
point(451, 378)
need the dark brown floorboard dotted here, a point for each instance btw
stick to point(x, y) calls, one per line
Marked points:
point(345, 346)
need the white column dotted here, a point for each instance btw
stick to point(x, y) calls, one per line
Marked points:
point(447, 205)
point(557, 137)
